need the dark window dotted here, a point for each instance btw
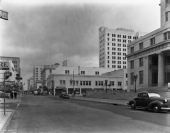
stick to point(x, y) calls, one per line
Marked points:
point(140, 62)
point(97, 73)
point(132, 50)
point(67, 72)
point(167, 35)
point(132, 64)
point(131, 78)
point(141, 45)
point(82, 72)
point(166, 16)
point(119, 83)
point(140, 77)
point(152, 41)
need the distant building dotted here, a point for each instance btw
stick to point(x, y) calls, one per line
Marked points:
point(149, 56)
point(30, 83)
point(15, 61)
point(82, 79)
point(113, 47)
point(37, 75)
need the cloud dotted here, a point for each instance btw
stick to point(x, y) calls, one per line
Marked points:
point(45, 34)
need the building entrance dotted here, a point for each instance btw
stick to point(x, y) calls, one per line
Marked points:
point(153, 70)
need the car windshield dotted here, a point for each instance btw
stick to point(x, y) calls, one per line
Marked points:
point(153, 95)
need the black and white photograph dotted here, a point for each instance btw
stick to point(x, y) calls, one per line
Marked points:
point(84, 66)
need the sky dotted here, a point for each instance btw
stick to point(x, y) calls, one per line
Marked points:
point(43, 32)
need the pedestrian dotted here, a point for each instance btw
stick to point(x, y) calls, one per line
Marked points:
point(11, 95)
point(15, 94)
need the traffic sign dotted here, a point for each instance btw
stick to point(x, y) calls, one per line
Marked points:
point(3, 14)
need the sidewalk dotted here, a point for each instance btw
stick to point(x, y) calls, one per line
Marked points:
point(109, 101)
point(5, 119)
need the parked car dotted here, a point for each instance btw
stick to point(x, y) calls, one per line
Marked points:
point(64, 96)
point(149, 101)
point(36, 92)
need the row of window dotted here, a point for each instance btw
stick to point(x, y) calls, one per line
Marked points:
point(118, 62)
point(81, 72)
point(118, 49)
point(141, 63)
point(152, 41)
point(89, 83)
point(123, 36)
point(118, 53)
point(114, 66)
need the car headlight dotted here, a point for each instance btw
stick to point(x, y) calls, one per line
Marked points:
point(165, 100)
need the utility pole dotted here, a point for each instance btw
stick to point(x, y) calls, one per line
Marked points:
point(73, 83)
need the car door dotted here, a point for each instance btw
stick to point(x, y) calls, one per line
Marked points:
point(141, 100)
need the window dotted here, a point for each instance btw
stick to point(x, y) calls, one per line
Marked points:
point(97, 73)
point(124, 36)
point(119, 66)
point(112, 83)
point(119, 49)
point(67, 72)
point(124, 41)
point(62, 82)
point(119, 83)
point(140, 77)
point(119, 62)
point(152, 41)
point(119, 36)
point(129, 37)
point(141, 45)
point(82, 72)
point(140, 62)
point(132, 64)
point(166, 16)
point(131, 78)
point(132, 50)
point(113, 35)
point(119, 40)
point(167, 35)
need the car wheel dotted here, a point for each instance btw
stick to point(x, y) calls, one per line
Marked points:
point(156, 108)
point(132, 106)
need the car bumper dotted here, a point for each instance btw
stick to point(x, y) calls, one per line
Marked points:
point(165, 108)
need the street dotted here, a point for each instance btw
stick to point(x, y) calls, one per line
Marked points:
point(48, 114)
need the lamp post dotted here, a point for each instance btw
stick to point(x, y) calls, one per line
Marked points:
point(7, 74)
point(106, 84)
point(73, 83)
point(135, 78)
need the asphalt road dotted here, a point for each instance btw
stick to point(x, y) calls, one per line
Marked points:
point(47, 114)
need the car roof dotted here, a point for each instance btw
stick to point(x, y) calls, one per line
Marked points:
point(153, 95)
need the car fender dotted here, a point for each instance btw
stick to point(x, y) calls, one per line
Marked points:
point(151, 104)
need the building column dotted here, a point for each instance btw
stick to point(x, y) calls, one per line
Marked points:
point(160, 70)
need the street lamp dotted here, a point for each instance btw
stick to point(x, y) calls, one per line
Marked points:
point(7, 74)
point(135, 78)
point(106, 84)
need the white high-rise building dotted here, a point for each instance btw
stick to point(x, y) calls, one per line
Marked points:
point(37, 75)
point(113, 47)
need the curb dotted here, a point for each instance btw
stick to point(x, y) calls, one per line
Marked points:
point(113, 103)
point(3, 130)
point(7, 122)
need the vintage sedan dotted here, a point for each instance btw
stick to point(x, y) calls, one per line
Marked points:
point(149, 101)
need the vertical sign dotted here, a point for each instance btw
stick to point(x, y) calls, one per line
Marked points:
point(3, 14)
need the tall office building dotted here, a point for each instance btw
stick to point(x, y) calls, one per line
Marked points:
point(37, 75)
point(113, 46)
